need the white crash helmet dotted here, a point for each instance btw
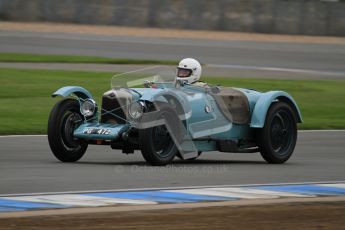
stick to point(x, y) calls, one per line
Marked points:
point(188, 70)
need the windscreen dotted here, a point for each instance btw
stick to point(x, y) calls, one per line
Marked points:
point(156, 76)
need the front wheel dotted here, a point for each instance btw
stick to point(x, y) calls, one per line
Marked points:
point(277, 139)
point(63, 119)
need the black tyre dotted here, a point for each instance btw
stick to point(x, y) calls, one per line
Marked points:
point(277, 139)
point(64, 118)
point(156, 143)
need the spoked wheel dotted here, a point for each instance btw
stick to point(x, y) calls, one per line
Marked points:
point(277, 139)
point(63, 119)
point(156, 143)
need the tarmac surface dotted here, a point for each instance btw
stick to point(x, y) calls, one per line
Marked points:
point(28, 166)
point(208, 70)
point(240, 58)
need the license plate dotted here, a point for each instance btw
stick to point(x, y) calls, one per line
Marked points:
point(97, 131)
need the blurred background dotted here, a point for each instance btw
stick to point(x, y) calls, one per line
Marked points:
point(310, 17)
point(297, 46)
point(291, 45)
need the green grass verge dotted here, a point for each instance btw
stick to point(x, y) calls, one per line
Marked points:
point(46, 58)
point(25, 100)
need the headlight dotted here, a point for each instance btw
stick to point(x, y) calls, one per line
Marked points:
point(88, 108)
point(136, 109)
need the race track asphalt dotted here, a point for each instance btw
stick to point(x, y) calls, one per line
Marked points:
point(232, 58)
point(28, 166)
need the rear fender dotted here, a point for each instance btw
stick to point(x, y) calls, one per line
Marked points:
point(265, 101)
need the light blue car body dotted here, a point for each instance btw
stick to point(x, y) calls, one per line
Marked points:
point(194, 113)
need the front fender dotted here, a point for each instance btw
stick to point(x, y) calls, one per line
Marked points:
point(69, 90)
point(265, 101)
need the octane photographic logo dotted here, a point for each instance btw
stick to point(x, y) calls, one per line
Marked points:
point(176, 123)
point(172, 169)
point(152, 97)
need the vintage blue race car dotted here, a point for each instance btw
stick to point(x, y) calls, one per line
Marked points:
point(149, 110)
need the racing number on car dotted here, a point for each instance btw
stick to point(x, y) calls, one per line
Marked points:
point(87, 131)
point(97, 131)
point(103, 131)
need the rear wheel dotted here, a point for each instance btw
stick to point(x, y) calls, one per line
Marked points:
point(63, 119)
point(277, 139)
point(156, 143)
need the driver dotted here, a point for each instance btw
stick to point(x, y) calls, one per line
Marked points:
point(189, 70)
